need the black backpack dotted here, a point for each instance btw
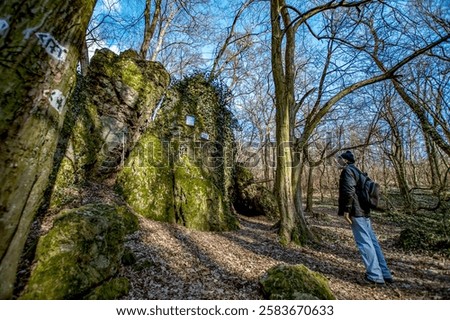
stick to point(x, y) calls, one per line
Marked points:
point(367, 190)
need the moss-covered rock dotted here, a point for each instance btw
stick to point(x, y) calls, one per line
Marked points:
point(82, 250)
point(180, 171)
point(78, 148)
point(286, 282)
point(199, 204)
point(252, 199)
point(146, 181)
point(125, 90)
point(112, 105)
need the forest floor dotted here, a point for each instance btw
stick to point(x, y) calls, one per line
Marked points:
point(175, 263)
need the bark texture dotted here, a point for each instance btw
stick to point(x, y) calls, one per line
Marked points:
point(39, 51)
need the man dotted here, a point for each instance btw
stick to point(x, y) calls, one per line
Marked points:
point(377, 271)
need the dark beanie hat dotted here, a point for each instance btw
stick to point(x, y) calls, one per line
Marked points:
point(347, 155)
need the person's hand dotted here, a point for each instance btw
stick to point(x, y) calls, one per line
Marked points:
point(347, 217)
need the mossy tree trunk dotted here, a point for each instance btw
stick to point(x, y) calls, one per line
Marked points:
point(283, 179)
point(293, 226)
point(310, 190)
point(40, 44)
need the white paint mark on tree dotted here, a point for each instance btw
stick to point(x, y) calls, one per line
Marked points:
point(56, 99)
point(204, 136)
point(4, 26)
point(190, 120)
point(52, 46)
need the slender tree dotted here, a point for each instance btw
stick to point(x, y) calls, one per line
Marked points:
point(150, 25)
point(396, 152)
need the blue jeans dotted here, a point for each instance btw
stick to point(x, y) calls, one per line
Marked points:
point(370, 250)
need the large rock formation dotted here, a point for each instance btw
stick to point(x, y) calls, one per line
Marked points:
point(110, 109)
point(182, 168)
point(40, 45)
point(126, 91)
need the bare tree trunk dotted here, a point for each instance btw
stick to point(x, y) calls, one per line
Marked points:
point(150, 25)
point(303, 229)
point(434, 166)
point(267, 156)
point(310, 190)
point(287, 186)
point(397, 157)
point(284, 100)
point(39, 52)
point(283, 183)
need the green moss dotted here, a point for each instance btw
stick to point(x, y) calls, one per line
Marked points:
point(145, 78)
point(244, 177)
point(103, 62)
point(129, 220)
point(198, 202)
point(130, 73)
point(64, 190)
point(172, 175)
point(146, 182)
point(112, 105)
point(80, 143)
point(285, 282)
point(83, 249)
point(111, 290)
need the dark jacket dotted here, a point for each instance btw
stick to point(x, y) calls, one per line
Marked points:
point(348, 200)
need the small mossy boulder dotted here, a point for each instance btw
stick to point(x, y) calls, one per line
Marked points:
point(83, 249)
point(293, 282)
